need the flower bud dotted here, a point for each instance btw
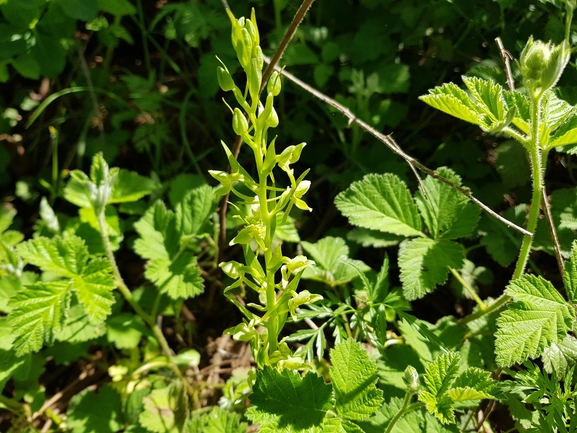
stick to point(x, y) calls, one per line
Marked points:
point(225, 80)
point(274, 84)
point(542, 65)
point(239, 123)
point(412, 379)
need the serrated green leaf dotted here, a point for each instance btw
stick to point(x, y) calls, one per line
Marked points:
point(79, 189)
point(539, 317)
point(380, 202)
point(91, 412)
point(439, 376)
point(447, 213)
point(570, 276)
point(180, 278)
point(77, 328)
point(193, 211)
point(473, 384)
point(424, 263)
point(519, 102)
point(332, 263)
point(38, 311)
point(488, 96)
point(220, 421)
point(565, 138)
point(158, 235)
point(559, 357)
point(66, 256)
point(288, 400)
point(354, 377)
point(556, 111)
point(450, 99)
point(94, 289)
point(130, 186)
point(338, 425)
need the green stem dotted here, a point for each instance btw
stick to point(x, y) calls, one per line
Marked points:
point(406, 408)
point(150, 321)
point(568, 20)
point(468, 288)
point(536, 159)
point(11, 405)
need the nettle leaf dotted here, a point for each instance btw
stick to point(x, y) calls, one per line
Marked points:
point(559, 357)
point(538, 318)
point(65, 256)
point(77, 328)
point(332, 263)
point(451, 99)
point(285, 400)
point(570, 276)
point(130, 186)
point(446, 212)
point(439, 376)
point(473, 384)
point(380, 202)
point(218, 421)
point(556, 111)
point(38, 311)
point(424, 264)
point(373, 238)
point(158, 235)
point(354, 378)
point(339, 425)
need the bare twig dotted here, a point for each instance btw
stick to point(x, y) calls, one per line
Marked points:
point(507, 57)
point(391, 144)
point(553, 232)
point(300, 14)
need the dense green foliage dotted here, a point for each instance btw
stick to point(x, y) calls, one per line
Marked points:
point(306, 274)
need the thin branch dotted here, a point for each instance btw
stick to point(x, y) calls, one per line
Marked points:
point(553, 232)
point(299, 16)
point(507, 57)
point(391, 144)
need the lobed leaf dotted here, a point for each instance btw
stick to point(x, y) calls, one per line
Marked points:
point(91, 412)
point(158, 235)
point(424, 263)
point(380, 202)
point(94, 289)
point(179, 278)
point(560, 357)
point(38, 311)
point(130, 186)
point(354, 378)
point(451, 99)
point(193, 211)
point(287, 400)
point(446, 212)
point(539, 317)
point(65, 256)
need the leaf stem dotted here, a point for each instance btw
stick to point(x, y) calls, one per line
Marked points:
point(469, 289)
point(125, 291)
point(406, 408)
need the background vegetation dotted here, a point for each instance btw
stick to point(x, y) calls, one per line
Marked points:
point(136, 81)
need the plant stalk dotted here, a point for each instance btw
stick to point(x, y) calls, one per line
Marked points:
point(406, 408)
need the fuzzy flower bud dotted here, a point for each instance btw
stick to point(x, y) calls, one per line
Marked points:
point(542, 65)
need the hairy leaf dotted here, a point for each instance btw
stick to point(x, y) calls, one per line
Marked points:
point(354, 379)
point(193, 211)
point(287, 399)
point(450, 99)
point(38, 311)
point(180, 278)
point(538, 317)
point(94, 289)
point(446, 212)
point(439, 376)
point(512, 164)
point(424, 263)
point(66, 256)
point(380, 202)
point(130, 186)
point(559, 357)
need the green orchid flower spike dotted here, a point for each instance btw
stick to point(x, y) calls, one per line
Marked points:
point(261, 203)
